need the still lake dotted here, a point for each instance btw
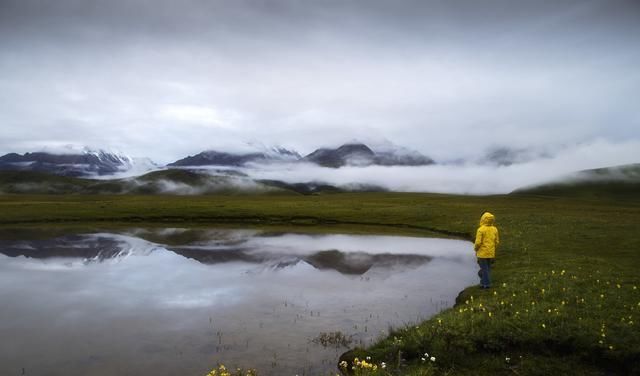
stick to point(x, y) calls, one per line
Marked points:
point(177, 301)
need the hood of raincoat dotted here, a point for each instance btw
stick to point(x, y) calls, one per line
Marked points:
point(487, 219)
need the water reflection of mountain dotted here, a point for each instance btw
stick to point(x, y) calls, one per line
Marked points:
point(194, 237)
point(208, 250)
point(86, 247)
point(360, 262)
point(355, 263)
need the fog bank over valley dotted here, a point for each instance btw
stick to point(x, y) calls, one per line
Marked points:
point(463, 178)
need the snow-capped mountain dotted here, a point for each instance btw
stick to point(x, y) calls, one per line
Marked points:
point(347, 154)
point(350, 154)
point(77, 163)
point(73, 161)
point(274, 153)
point(389, 154)
point(358, 154)
point(137, 167)
point(217, 158)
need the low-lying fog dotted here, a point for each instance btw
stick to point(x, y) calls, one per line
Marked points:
point(466, 178)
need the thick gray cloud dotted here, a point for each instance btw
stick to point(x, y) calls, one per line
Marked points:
point(448, 78)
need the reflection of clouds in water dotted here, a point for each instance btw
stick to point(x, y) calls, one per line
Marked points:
point(161, 278)
point(47, 265)
point(221, 296)
point(350, 254)
point(169, 279)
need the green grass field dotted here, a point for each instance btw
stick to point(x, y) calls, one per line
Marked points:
point(565, 297)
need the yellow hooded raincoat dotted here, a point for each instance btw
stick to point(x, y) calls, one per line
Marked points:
point(487, 238)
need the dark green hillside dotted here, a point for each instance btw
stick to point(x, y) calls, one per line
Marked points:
point(302, 188)
point(31, 182)
point(177, 176)
point(41, 183)
point(180, 182)
point(172, 181)
point(613, 183)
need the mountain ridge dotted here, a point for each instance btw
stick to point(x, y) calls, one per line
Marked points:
point(218, 158)
point(359, 154)
point(348, 154)
point(85, 163)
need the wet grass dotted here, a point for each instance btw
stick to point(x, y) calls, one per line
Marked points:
point(565, 297)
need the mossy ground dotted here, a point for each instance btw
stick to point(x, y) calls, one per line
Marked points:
point(566, 297)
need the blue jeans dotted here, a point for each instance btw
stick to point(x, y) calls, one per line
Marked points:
point(485, 271)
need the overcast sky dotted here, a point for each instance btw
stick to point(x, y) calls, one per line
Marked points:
point(448, 78)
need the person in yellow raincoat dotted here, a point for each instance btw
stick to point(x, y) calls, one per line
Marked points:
point(487, 240)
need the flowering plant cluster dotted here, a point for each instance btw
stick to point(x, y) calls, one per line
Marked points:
point(221, 370)
point(362, 367)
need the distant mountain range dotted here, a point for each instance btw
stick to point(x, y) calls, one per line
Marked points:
point(89, 163)
point(88, 171)
point(92, 163)
point(622, 182)
point(352, 154)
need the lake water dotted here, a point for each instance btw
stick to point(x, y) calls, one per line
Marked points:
point(179, 301)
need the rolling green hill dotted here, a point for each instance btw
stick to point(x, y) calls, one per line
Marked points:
point(615, 183)
point(172, 181)
point(44, 183)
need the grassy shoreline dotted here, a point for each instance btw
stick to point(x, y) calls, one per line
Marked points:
point(566, 296)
